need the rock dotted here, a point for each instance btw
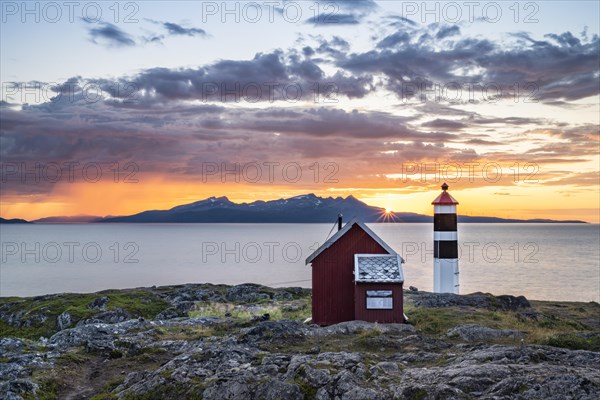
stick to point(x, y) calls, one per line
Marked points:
point(233, 389)
point(512, 303)
point(344, 382)
point(63, 321)
point(282, 295)
point(477, 300)
point(413, 289)
point(260, 318)
point(272, 329)
point(276, 389)
point(196, 321)
point(359, 393)
point(283, 359)
point(341, 359)
point(13, 389)
point(300, 369)
point(183, 306)
point(99, 303)
point(354, 327)
point(246, 293)
point(526, 315)
point(322, 394)
point(97, 334)
point(9, 345)
point(169, 313)
point(556, 387)
point(34, 320)
point(472, 332)
point(388, 367)
point(108, 317)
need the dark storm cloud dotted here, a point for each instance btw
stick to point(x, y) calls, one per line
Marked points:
point(165, 126)
point(407, 62)
point(561, 68)
point(105, 33)
point(175, 137)
point(266, 78)
point(168, 137)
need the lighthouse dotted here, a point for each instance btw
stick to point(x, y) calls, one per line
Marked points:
point(445, 243)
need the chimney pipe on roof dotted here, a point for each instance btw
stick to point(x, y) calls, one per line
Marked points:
point(339, 221)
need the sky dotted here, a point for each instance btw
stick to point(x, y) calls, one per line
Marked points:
point(112, 108)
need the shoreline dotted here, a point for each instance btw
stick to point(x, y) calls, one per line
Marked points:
point(250, 341)
point(187, 284)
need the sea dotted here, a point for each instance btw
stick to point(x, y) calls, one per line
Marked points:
point(558, 262)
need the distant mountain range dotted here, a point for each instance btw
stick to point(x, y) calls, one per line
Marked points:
point(307, 208)
point(77, 219)
point(13, 221)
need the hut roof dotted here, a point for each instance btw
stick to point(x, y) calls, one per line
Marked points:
point(383, 268)
point(341, 233)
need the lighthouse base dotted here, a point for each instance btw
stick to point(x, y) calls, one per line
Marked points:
point(445, 275)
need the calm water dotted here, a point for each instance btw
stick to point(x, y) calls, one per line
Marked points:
point(540, 261)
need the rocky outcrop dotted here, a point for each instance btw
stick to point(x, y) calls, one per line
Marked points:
point(476, 300)
point(99, 304)
point(225, 357)
point(474, 332)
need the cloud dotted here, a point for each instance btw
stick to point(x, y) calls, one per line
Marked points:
point(175, 29)
point(561, 68)
point(107, 34)
point(400, 37)
point(332, 13)
point(336, 19)
point(268, 77)
point(444, 124)
point(447, 31)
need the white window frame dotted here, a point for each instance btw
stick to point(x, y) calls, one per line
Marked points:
point(379, 299)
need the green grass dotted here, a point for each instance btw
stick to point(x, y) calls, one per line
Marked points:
point(48, 390)
point(309, 391)
point(175, 391)
point(138, 303)
point(556, 325)
point(572, 341)
point(71, 358)
point(294, 310)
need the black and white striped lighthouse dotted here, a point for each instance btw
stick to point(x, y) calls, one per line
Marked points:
point(445, 243)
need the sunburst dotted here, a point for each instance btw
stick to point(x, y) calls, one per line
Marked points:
point(387, 215)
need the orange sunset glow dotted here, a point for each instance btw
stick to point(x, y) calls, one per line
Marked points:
point(381, 107)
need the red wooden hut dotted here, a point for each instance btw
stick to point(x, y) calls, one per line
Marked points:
point(356, 275)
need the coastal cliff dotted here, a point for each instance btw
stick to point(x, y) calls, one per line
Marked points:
point(202, 341)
